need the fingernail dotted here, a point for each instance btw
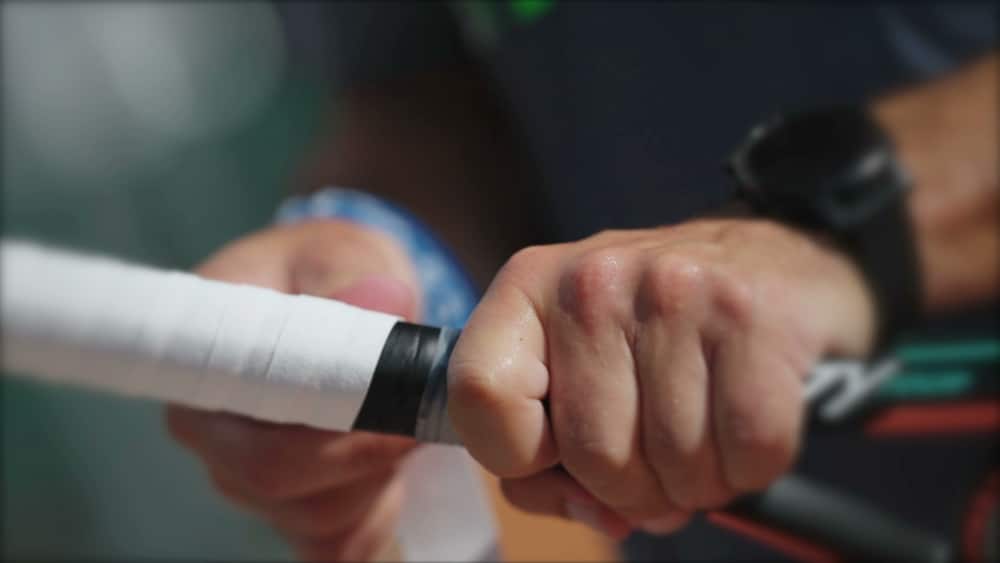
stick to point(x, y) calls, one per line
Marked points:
point(584, 514)
point(662, 525)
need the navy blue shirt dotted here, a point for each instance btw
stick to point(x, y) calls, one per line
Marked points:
point(629, 110)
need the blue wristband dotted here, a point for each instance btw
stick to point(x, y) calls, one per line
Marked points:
point(449, 295)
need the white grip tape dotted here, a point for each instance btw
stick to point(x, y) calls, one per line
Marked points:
point(173, 336)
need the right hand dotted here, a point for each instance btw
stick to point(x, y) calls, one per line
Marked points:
point(333, 495)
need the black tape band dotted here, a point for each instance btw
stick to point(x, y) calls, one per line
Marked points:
point(397, 386)
point(884, 248)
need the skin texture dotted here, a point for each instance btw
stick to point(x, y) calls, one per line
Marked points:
point(421, 142)
point(670, 359)
point(946, 135)
point(660, 370)
point(335, 496)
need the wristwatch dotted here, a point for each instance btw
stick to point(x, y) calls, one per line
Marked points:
point(833, 172)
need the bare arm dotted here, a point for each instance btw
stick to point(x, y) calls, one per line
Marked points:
point(946, 134)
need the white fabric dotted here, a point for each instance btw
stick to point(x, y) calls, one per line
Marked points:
point(447, 515)
point(173, 336)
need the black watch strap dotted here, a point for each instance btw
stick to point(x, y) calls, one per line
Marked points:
point(833, 172)
point(884, 249)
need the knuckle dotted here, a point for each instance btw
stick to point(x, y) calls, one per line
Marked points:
point(734, 301)
point(672, 286)
point(590, 287)
point(525, 260)
point(485, 421)
point(471, 387)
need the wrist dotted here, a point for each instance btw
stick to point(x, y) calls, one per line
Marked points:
point(832, 172)
point(821, 289)
point(850, 303)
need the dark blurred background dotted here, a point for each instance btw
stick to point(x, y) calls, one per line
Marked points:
point(157, 132)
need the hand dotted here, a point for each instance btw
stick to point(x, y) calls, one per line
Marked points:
point(333, 495)
point(672, 361)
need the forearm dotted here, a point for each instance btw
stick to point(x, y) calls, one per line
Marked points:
point(440, 146)
point(946, 136)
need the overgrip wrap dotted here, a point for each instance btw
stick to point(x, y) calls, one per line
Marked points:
point(408, 391)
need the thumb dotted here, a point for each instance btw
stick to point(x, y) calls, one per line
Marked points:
point(378, 292)
point(367, 272)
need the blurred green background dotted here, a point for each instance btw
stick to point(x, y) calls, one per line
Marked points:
point(155, 132)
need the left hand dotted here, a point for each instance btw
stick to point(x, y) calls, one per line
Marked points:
point(672, 360)
point(333, 495)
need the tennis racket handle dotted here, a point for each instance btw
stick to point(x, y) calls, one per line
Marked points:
point(813, 522)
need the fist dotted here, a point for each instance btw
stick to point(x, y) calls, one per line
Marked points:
point(636, 376)
point(335, 496)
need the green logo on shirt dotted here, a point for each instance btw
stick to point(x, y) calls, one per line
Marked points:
point(483, 21)
point(530, 11)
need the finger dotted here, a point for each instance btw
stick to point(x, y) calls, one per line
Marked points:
point(497, 377)
point(319, 515)
point(377, 293)
point(282, 461)
point(757, 404)
point(553, 492)
point(323, 258)
point(363, 540)
point(261, 259)
point(673, 304)
point(594, 399)
point(677, 427)
point(356, 265)
point(330, 512)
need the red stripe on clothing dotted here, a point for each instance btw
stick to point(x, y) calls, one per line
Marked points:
point(792, 546)
point(978, 416)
